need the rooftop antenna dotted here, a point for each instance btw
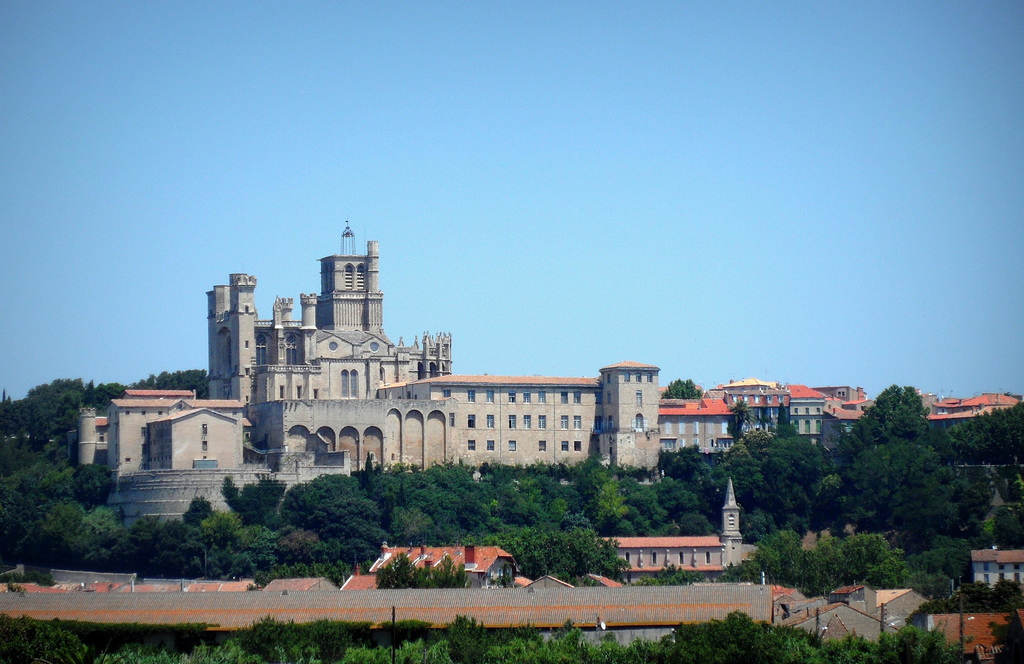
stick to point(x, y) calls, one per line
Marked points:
point(348, 241)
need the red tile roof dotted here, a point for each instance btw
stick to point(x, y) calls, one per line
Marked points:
point(605, 581)
point(978, 630)
point(997, 556)
point(166, 394)
point(485, 556)
point(804, 392)
point(694, 407)
point(845, 590)
point(361, 582)
point(668, 542)
point(630, 365)
point(101, 421)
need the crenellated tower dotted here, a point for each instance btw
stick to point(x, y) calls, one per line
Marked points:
point(231, 316)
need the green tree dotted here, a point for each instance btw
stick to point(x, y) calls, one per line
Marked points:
point(742, 416)
point(682, 389)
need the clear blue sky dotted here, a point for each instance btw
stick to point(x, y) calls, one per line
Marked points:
point(819, 193)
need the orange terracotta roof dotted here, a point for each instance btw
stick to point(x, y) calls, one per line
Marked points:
point(605, 581)
point(997, 556)
point(978, 629)
point(667, 542)
point(101, 421)
point(843, 414)
point(494, 608)
point(804, 392)
point(486, 556)
point(159, 393)
point(35, 588)
point(360, 582)
point(964, 415)
point(886, 596)
point(507, 380)
point(845, 590)
point(630, 365)
point(551, 579)
point(701, 407)
point(522, 581)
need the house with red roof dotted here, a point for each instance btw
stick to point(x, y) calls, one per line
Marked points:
point(806, 407)
point(952, 411)
point(699, 423)
point(486, 566)
point(990, 566)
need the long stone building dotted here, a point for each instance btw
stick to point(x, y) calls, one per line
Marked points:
point(330, 392)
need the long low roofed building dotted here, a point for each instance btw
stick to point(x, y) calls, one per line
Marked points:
point(627, 612)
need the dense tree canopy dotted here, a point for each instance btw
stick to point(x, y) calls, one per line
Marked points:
point(682, 389)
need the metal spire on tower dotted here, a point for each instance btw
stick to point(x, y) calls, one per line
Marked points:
point(348, 241)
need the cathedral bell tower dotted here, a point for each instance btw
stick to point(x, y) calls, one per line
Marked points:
point(350, 296)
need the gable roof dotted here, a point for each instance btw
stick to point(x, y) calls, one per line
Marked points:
point(978, 629)
point(804, 392)
point(694, 407)
point(158, 394)
point(997, 556)
point(360, 582)
point(300, 584)
point(424, 556)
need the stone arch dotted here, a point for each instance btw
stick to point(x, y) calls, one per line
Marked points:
point(354, 380)
point(298, 437)
point(348, 277)
point(412, 438)
point(326, 436)
point(224, 350)
point(419, 371)
point(373, 443)
point(393, 436)
point(433, 369)
point(348, 441)
point(434, 447)
point(344, 384)
point(360, 277)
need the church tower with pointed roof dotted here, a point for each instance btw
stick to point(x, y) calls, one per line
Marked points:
point(731, 538)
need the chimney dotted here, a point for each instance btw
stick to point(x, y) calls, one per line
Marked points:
point(470, 554)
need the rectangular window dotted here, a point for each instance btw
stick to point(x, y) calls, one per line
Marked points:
point(817, 426)
point(490, 446)
point(639, 398)
point(298, 391)
point(451, 419)
point(527, 421)
point(282, 392)
point(206, 429)
point(446, 393)
point(511, 446)
point(650, 378)
point(565, 446)
point(316, 393)
point(471, 445)
point(599, 396)
point(542, 397)
point(204, 445)
point(512, 397)
point(565, 422)
point(565, 397)
point(627, 377)
point(725, 427)
point(471, 396)
point(639, 378)
point(611, 423)
point(668, 443)
point(470, 421)
point(577, 397)
point(542, 421)
point(577, 446)
point(696, 428)
point(490, 421)
point(542, 446)
point(490, 396)
point(597, 424)
point(526, 397)
point(511, 421)
point(577, 422)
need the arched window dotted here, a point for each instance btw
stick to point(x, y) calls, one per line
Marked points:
point(355, 385)
point(291, 349)
point(344, 384)
point(261, 349)
point(639, 423)
point(348, 277)
point(360, 278)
